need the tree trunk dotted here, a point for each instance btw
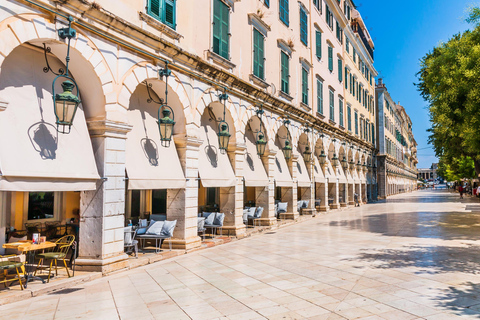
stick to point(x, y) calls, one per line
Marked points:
point(477, 167)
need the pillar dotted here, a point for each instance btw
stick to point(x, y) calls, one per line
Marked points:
point(323, 192)
point(231, 199)
point(289, 195)
point(343, 191)
point(267, 195)
point(382, 182)
point(184, 207)
point(102, 210)
point(351, 190)
point(3, 220)
point(310, 194)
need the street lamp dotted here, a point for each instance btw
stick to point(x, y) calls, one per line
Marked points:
point(351, 165)
point(307, 154)
point(359, 166)
point(322, 159)
point(335, 161)
point(165, 124)
point(261, 144)
point(287, 150)
point(344, 164)
point(223, 132)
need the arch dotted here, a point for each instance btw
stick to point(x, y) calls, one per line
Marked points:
point(255, 125)
point(283, 133)
point(144, 72)
point(302, 143)
point(87, 64)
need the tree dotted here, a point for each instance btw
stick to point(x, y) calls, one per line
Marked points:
point(449, 80)
point(457, 169)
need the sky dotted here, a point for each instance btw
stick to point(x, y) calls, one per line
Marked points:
point(403, 32)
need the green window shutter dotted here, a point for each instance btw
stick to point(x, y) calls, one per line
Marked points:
point(284, 11)
point(340, 70)
point(356, 123)
point(285, 73)
point(304, 86)
point(340, 111)
point(347, 44)
point(351, 83)
point(221, 19)
point(318, 44)
point(332, 106)
point(330, 59)
point(225, 27)
point(267, 3)
point(346, 78)
point(170, 13)
point(154, 8)
point(354, 55)
point(258, 54)
point(349, 118)
point(319, 96)
point(303, 26)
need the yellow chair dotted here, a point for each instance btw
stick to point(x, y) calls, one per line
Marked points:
point(61, 250)
point(6, 263)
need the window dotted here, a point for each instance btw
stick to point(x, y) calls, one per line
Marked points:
point(329, 16)
point(305, 86)
point(285, 72)
point(221, 17)
point(318, 44)
point(283, 11)
point(159, 201)
point(135, 203)
point(347, 44)
point(351, 83)
point(330, 58)
point(373, 134)
point(212, 196)
point(339, 33)
point(303, 26)
point(356, 123)
point(41, 205)
point(267, 3)
point(340, 70)
point(317, 4)
point(340, 111)
point(354, 55)
point(348, 13)
point(349, 118)
point(332, 106)
point(163, 10)
point(258, 54)
point(319, 96)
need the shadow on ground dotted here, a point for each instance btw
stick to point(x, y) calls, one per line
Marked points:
point(429, 260)
point(462, 302)
point(436, 225)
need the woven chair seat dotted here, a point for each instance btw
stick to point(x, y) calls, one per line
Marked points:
point(51, 255)
point(9, 265)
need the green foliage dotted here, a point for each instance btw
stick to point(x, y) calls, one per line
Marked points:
point(456, 169)
point(449, 80)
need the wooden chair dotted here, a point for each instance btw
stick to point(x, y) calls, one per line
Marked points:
point(61, 250)
point(6, 264)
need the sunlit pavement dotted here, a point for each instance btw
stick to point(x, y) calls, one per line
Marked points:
point(415, 256)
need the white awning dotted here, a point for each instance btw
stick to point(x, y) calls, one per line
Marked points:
point(330, 173)
point(349, 177)
point(281, 172)
point(302, 173)
point(34, 156)
point(342, 178)
point(356, 179)
point(362, 177)
point(253, 169)
point(150, 163)
point(214, 166)
point(318, 172)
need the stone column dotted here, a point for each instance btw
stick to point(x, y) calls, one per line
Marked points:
point(185, 207)
point(351, 190)
point(3, 220)
point(289, 195)
point(231, 199)
point(336, 202)
point(102, 210)
point(323, 188)
point(310, 210)
point(266, 196)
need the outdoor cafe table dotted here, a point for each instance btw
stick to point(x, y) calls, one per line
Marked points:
point(29, 249)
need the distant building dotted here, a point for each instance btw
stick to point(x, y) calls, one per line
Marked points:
point(429, 174)
point(397, 148)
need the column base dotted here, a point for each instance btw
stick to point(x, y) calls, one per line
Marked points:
point(104, 266)
point(289, 216)
point(351, 203)
point(236, 231)
point(183, 244)
point(343, 205)
point(308, 212)
point(324, 208)
point(335, 206)
point(266, 222)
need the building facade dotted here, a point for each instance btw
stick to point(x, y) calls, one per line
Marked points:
point(298, 73)
point(428, 174)
point(397, 148)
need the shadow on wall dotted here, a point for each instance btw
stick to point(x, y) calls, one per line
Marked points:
point(44, 139)
point(435, 225)
point(150, 150)
point(461, 302)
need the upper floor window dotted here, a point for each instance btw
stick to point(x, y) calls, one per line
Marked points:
point(318, 44)
point(329, 16)
point(258, 54)
point(332, 105)
point(221, 25)
point(283, 11)
point(340, 111)
point(303, 26)
point(304, 86)
point(339, 32)
point(340, 70)
point(318, 4)
point(349, 118)
point(163, 10)
point(285, 72)
point(319, 96)
point(347, 44)
point(356, 122)
point(330, 58)
point(267, 3)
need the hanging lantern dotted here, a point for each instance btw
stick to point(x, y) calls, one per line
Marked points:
point(223, 136)
point(261, 144)
point(351, 165)
point(344, 164)
point(359, 166)
point(66, 104)
point(335, 161)
point(307, 154)
point(322, 158)
point(165, 124)
point(287, 150)
point(365, 167)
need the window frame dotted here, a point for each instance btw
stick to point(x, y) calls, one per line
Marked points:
point(162, 9)
point(58, 206)
point(260, 60)
point(304, 79)
point(331, 102)
point(284, 15)
point(320, 96)
point(282, 76)
point(227, 39)
point(303, 26)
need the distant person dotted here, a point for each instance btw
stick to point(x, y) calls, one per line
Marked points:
point(460, 189)
point(355, 197)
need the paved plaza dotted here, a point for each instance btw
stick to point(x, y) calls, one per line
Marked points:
point(415, 256)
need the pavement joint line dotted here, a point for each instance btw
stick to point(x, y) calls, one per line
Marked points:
point(113, 298)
